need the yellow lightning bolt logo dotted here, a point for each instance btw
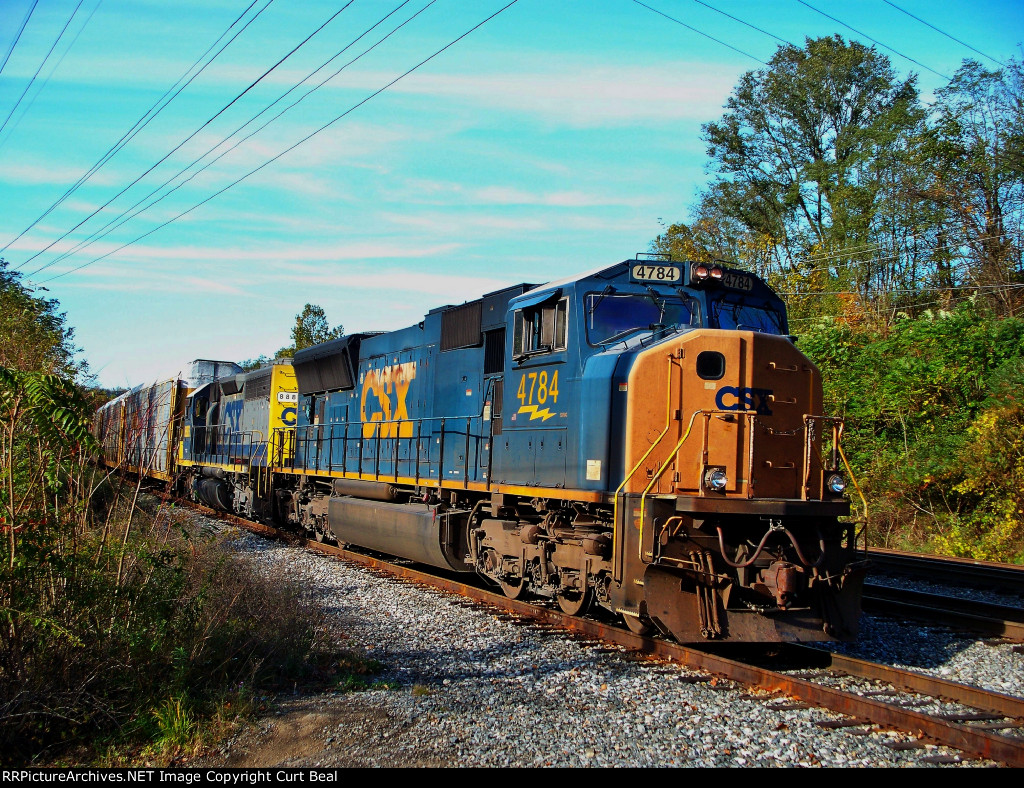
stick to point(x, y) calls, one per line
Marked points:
point(536, 414)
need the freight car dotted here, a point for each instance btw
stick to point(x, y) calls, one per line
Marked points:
point(645, 438)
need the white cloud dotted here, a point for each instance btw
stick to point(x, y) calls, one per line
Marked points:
point(581, 95)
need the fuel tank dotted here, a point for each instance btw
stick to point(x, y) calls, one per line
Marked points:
point(415, 531)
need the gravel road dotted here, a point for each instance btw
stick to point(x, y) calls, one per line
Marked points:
point(475, 689)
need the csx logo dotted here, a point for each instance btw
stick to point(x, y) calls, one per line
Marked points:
point(384, 393)
point(742, 398)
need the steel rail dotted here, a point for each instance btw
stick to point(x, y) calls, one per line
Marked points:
point(910, 681)
point(1000, 620)
point(974, 741)
point(1007, 577)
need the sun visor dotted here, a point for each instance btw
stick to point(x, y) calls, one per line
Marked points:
point(539, 299)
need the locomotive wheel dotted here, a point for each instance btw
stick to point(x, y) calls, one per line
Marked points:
point(638, 625)
point(575, 603)
point(513, 590)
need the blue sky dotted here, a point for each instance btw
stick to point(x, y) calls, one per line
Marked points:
point(554, 139)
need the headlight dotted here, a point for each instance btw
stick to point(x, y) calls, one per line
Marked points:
point(715, 479)
point(836, 484)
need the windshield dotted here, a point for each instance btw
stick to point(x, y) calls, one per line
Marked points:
point(734, 313)
point(612, 317)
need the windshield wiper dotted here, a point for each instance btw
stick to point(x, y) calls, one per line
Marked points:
point(658, 302)
point(593, 307)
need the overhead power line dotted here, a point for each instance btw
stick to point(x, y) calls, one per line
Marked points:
point(14, 43)
point(742, 22)
point(700, 32)
point(947, 35)
point(177, 147)
point(124, 217)
point(50, 52)
point(872, 40)
point(158, 106)
point(305, 139)
point(53, 71)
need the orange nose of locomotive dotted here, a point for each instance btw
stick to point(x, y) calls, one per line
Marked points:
point(734, 414)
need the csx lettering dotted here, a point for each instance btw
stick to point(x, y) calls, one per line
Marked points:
point(743, 398)
point(387, 385)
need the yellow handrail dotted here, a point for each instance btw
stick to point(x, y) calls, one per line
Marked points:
point(664, 432)
point(657, 476)
point(853, 479)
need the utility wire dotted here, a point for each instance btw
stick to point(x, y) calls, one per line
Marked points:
point(872, 40)
point(53, 71)
point(146, 117)
point(700, 32)
point(947, 35)
point(742, 22)
point(176, 148)
point(14, 43)
point(950, 246)
point(50, 52)
point(123, 218)
point(292, 147)
point(905, 290)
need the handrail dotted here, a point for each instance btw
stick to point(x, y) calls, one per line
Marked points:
point(303, 440)
point(656, 477)
point(751, 417)
point(616, 571)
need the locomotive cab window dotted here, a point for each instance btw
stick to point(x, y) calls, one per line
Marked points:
point(615, 316)
point(541, 329)
point(734, 312)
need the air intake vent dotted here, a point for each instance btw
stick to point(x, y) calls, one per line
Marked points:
point(460, 326)
point(257, 384)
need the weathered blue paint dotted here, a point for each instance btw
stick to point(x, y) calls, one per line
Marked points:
point(413, 406)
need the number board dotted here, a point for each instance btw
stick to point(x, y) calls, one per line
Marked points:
point(650, 272)
point(737, 281)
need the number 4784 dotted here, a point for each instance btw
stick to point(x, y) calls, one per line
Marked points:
point(537, 388)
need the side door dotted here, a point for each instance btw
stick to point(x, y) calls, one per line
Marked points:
point(533, 439)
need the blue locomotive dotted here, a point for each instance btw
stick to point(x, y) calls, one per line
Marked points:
point(645, 438)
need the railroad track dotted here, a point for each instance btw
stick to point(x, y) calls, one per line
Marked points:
point(1005, 578)
point(978, 722)
point(935, 606)
point(969, 614)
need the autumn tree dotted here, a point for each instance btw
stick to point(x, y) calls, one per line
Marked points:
point(976, 150)
point(34, 335)
point(803, 158)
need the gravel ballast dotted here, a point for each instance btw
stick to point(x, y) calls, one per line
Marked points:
point(476, 689)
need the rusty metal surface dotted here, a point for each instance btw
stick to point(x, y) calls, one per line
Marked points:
point(975, 741)
point(908, 680)
point(1009, 578)
point(966, 614)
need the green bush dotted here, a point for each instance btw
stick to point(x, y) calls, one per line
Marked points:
point(933, 426)
point(145, 641)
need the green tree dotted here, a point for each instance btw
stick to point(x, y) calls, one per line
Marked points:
point(976, 148)
point(34, 335)
point(798, 139)
point(311, 328)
